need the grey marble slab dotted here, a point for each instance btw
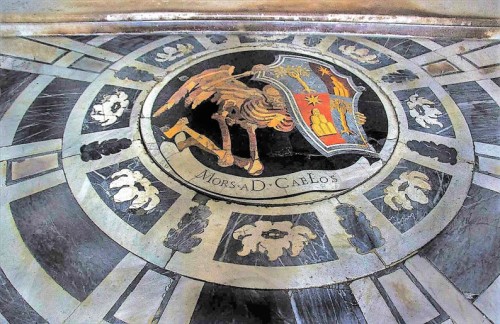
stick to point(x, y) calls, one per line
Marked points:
point(88, 63)
point(23, 168)
point(172, 277)
point(12, 83)
point(70, 248)
point(224, 304)
point(479, 109)
point(125, 44)
point(46, 117)
point(12, 305)
point(330, 304)
point(266, 38)
point(447, 41)
point(407, 48)
point(468, 250)
point(401, 296)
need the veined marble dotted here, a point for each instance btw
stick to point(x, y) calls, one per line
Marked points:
point(249, 178)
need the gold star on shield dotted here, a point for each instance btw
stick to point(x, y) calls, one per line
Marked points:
point(323, 70)
point(313, 100)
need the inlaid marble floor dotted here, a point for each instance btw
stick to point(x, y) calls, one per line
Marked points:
point(242, 178)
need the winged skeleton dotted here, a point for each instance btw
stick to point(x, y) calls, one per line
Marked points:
point(238, 104)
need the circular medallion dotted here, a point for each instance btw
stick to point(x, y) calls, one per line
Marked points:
point(275, 165)
point(267, 125)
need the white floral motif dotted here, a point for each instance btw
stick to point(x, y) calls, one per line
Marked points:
point(422, 112)
point(411, 186)
point(110, 109)
point(359, 54)
point(136, 188)
point(171, 53)
point(272, 238)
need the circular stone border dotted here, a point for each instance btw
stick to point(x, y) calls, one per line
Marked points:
point(200, 263)
point(313, 195)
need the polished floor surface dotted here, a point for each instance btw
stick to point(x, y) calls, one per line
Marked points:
point(244, 178)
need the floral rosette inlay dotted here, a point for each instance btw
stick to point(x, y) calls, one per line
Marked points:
point(273, 238)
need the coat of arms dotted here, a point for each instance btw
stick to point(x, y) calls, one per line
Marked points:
point(301, 92)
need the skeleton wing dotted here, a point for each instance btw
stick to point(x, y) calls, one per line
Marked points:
point(200, 87)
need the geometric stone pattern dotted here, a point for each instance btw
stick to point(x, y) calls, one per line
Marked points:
point(97, 253)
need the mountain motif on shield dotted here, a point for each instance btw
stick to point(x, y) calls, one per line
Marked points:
point(322, 103)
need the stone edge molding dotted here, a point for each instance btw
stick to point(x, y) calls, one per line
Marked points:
point(301, 23)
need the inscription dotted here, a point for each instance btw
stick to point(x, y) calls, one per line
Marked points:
point(298, 126)
point(243, 184)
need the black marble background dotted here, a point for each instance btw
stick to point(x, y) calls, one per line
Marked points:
point(316, 251)
point(281, 153)
point(329, 304)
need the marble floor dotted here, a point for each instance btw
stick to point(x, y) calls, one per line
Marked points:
point(244, 178)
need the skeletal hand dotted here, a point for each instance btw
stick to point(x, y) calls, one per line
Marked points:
point(360, 118)
point(259, 67)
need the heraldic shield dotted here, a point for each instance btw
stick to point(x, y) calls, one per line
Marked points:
point(322, 103)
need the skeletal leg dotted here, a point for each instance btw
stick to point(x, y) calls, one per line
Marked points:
point(199, 140)
point(254, 167)
point(226, 138)
point(189, 142)
point(238, 161)
point(177, 128)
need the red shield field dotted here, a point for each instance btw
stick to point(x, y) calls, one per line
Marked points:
point(320, 101)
